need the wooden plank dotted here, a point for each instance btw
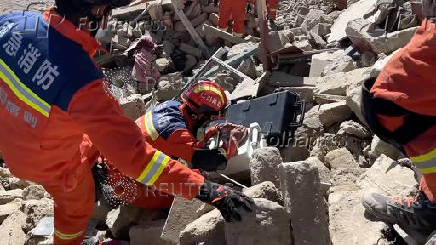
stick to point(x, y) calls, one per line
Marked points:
point(197, 39)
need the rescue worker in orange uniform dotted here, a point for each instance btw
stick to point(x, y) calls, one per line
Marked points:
point(170, 127)
point(272, 6)
point(235, 10)
point(399, 106)
point(51, 93)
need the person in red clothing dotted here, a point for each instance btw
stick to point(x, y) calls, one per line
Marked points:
point(272, 6)
point(235, 10)
point(52, 93)
point(399, 106)
point(170, 127)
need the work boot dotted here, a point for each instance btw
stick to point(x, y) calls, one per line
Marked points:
point(417, 214)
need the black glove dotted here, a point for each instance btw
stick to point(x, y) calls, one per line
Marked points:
point(209, 160)
point(228, 201)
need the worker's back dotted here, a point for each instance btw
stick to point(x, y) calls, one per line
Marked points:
point(41, 69)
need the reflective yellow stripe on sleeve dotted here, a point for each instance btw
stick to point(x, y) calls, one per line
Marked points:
point(65, 236)
point(426, 163)
point(149, 127)
point(154, 168)
point(22, 91)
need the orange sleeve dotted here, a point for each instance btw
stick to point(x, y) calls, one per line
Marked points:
point(181, 143)
point(119, 139)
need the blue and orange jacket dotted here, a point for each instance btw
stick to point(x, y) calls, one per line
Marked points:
point(167, 128)
point(52, 93)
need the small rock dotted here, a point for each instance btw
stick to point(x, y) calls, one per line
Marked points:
point(265, 190)
point(209, 228)
point(34, 192)
point(35, 210)
point(163, 64)
point(9, 196)
point(354, 128)
point(133, 106)
point(340, 158)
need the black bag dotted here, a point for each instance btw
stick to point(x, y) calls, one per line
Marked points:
point(278, 115)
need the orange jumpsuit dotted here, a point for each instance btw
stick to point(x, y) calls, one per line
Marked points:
point(236, 9)
point(409, 81)
point(51, 93)
point(272, 5)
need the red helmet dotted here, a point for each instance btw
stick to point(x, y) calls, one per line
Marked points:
point(205, 97)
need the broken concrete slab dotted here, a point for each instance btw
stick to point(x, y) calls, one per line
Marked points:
point(208, 229)
point(129, 13)
point(11, 230)
point(330, 114)
point(266, 216)
point(360, 33)
point(264, 165)
point(338, 83)
point(35, 210)
point(214, 33)
point(353, 12)
point(8, 209)
point(322, 99)
point(347, 215)
point(182, 213)
point(302, 195)
point(379, 147)
point(148, 233)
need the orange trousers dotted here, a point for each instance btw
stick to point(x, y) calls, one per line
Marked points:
point(235, 9)
point(272, 6)
point(74, 205)
point(422, 152)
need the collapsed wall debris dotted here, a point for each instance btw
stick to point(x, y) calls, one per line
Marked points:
point(321, 50)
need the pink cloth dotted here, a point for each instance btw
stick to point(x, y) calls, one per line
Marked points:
point(144, 69)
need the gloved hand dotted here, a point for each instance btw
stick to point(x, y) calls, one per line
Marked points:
point(232, 135)
point(209, 160)
point(228, 201)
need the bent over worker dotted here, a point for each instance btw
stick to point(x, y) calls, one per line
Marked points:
point(400, 108)
point(170, 127)
point(51, 93)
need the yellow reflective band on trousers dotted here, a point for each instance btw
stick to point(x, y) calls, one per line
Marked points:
point(426, 163)
point(209, 88)
point(65, 236)
point(149, 127)
point(22, 91)
point(154, 168)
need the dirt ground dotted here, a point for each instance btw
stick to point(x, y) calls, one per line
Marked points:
point(14, 5)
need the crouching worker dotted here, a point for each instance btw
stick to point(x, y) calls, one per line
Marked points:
point(400, 108)
point(51, 93)
point(170, 127)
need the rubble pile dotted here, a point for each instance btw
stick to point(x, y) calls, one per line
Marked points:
point(323, 51)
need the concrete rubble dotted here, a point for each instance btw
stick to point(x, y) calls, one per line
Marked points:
point(321, 50)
